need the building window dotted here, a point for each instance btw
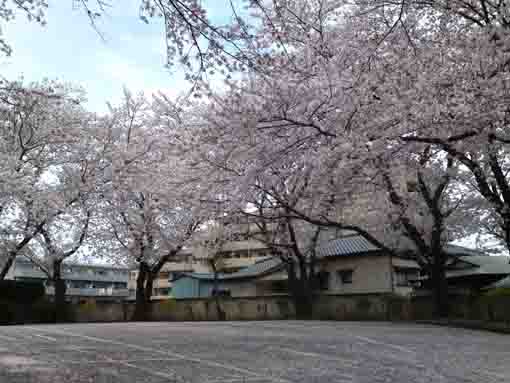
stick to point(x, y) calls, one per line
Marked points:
point(405, 277)
point(412, 186)
point(220, 293)
point(161, 292)
point(345, 276)
point(323, 279)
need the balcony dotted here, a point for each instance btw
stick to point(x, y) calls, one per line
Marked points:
point(178, 266)
point(239, 263)
point(79, 275)
point(91, 292)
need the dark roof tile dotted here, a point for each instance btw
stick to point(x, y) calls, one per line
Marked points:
point(352, 245)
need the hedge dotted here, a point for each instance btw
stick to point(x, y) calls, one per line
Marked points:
point(21, 292)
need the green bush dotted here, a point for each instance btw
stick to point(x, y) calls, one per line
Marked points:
point(21, 292)
point(167, 305)
point(43, 311)
point(7, 312)
point(499, 292)
point(363, 305)
point(40, 311)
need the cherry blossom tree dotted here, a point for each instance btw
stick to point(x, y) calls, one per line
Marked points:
point(202, 47)
point(342, 111)
point(451, 90)
point(426, 210)
point(294, 241)
point(39, 122)
point(52, 247)
point(155, 202)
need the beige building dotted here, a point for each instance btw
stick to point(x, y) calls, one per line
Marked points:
point(353, 265)
point(346, 265)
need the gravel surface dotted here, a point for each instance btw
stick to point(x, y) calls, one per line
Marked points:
point(251, 352)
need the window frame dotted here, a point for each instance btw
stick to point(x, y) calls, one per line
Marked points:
point(345, 276)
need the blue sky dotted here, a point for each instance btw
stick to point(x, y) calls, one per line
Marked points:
point(68, 49)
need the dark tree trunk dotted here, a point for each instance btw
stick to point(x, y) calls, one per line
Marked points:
point(301, 293)
point(506, 229)
point(219, 311)
point(7, 265)
point(149, 286)
point(141, 299)
point(440, 290)
point(60, 293)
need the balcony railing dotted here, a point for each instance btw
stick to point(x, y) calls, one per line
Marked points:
point(77, 276)
point(90, 292)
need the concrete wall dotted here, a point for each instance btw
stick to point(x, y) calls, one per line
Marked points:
point(354, 307)
point(371, 274)
point(267, 308)
point(327, 307)
point(330, 307)
point(97, 311)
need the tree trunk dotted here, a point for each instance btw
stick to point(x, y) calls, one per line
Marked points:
point(60, 293)
point(141, 300)
point(149, 286)
point(219, 311)
point(440, 290)
point(301, 293)
point(506, 230)
point(7, 265)
point(304, 309)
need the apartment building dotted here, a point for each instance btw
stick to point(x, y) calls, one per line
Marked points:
point(82, 280)
point(181, 263)
point(235, 255)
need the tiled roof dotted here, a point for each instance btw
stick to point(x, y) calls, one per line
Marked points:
point(358, 245)
point(461, 251)
point(482, 265)
point(262, 267)
point(351, 245)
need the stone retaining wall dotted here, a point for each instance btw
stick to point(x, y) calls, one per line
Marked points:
point(327, 307)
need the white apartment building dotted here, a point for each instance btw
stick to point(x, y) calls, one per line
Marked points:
point(82, 280)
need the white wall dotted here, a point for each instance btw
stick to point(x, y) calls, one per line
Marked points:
point(371, 274)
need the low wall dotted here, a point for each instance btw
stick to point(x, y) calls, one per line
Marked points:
point(280, 307)
point(100, 311)
point(251, 308)
point(352, 307)
point(485, 308)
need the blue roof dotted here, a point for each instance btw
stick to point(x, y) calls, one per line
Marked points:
point(260, 268)
point(351, 245)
